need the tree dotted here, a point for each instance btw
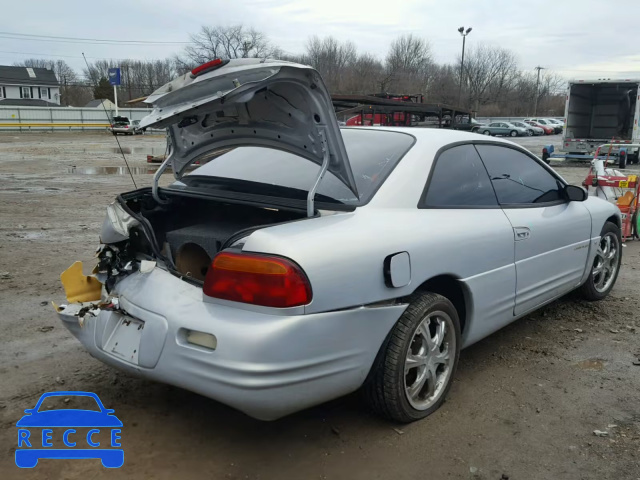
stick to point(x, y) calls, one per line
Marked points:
point(138, 78)
point(331, 58)
point(234, 41)
point(103, 90)
point(408, 64)
point(489, 72)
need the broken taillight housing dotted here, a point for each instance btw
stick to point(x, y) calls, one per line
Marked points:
point(257, 279)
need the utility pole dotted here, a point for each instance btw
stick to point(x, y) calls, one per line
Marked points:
point(464, 38)
point(535, 108)
point(128, 81)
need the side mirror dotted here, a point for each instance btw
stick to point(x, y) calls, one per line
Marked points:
point(575, 193)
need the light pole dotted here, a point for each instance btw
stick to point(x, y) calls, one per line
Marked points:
point(464, 34)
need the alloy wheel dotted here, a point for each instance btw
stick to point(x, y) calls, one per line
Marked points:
point(605, 265)
point(429, 360)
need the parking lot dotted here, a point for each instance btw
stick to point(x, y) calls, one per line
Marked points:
point(524, 405)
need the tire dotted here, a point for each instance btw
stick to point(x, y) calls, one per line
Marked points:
point(486, 132)
point(622, 162)
point(530, 133)
point(386, 389)
point(513, 133)
point(590, 289)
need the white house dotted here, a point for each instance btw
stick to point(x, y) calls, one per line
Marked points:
point(26, 86)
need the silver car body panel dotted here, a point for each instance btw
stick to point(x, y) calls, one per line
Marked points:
point(270, 362)
point(265, 365)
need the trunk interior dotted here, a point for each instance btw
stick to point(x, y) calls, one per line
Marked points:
point(601, 110)
point(190, 231)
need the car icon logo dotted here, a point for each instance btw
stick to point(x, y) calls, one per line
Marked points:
point(92, 432)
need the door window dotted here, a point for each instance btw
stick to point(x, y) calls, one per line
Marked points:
point(459, 180)
point(517, 178)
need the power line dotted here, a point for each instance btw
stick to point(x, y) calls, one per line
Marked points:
point(50, 55)
point(106, 41)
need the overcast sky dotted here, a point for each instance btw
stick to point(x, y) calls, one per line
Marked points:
point(576, 38)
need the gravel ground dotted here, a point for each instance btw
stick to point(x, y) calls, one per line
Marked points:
point(524, 404)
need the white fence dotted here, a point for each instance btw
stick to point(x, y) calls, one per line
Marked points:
point(72, 118)
point(62, 118)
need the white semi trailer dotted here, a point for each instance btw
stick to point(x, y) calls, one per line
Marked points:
point(598, 112)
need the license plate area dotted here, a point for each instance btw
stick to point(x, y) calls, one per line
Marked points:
point(124, 341)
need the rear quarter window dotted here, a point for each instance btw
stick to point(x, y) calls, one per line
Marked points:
point(459, 180)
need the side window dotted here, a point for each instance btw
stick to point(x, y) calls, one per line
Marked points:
point(459, 180)
point(517, 178)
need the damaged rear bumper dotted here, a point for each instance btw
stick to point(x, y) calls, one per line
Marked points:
point(265, 365)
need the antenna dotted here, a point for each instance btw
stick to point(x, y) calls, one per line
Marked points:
point(95, 84)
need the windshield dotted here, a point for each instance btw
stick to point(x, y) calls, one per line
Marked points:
point(372, 155)
point(63, 402)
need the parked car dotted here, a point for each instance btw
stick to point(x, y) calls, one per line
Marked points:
point(254, 279)
point(126, 126)
point(531, 129)
point(502, 128)
point(548, 130)
point(546, 122)
point(556, 123)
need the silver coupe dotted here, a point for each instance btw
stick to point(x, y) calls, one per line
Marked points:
point(303, 262)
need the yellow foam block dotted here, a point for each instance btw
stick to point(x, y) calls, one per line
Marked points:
point(78, 287)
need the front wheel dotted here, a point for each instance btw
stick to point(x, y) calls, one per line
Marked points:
point(606, 264)
point(486, 132)
point(513, 133)
point(530, 133)
point(414, 369)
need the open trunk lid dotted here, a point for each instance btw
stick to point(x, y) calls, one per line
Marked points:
point(250, 102)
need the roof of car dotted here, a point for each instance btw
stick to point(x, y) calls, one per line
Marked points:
point(438, 136)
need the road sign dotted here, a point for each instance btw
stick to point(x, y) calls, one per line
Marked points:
point(114, 76)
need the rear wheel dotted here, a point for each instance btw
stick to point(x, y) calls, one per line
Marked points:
point(414, 369)
point(486, 132)
point(622, 161)
point(606, 264)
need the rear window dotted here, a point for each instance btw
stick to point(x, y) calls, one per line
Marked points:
point(372, 154)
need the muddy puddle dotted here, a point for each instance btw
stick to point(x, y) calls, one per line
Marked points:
point(111, 170)
point(121, 170)
point(140, 150)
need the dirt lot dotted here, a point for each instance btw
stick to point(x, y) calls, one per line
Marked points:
point(524, 404)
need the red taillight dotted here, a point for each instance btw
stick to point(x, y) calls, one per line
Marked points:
point(205, 67)
point(126, 126)
point(257, 279)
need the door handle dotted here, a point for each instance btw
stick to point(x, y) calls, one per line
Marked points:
point(521, 233)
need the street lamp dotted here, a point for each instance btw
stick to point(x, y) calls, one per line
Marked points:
point(464, 34)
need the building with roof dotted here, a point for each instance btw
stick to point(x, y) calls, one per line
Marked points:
point(99, 103)
point(26, 86)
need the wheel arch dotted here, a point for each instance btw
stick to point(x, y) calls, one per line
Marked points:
point(615, 219)
point(452, 288)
